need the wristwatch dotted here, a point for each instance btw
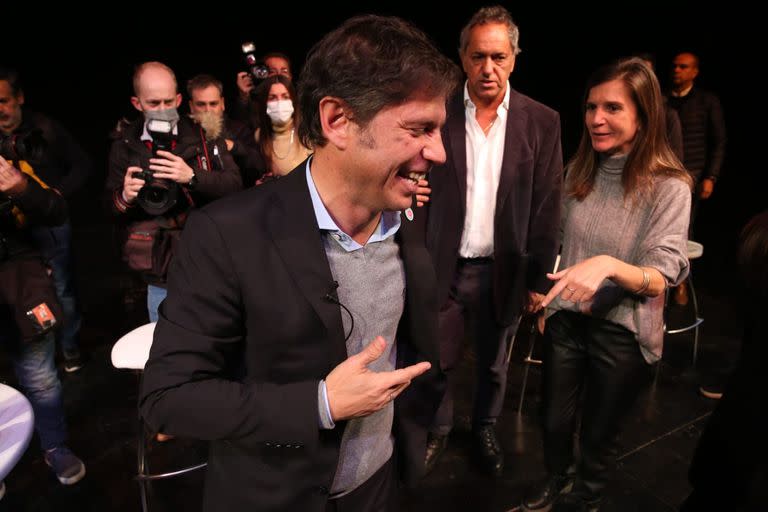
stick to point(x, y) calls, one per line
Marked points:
point(192, 181)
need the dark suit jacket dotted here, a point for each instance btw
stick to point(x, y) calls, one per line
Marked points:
point(527, 218)
point(246, 334)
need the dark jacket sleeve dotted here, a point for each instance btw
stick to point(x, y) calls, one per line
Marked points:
point(223, 180)
point(187, 385)
point(246, 152)
point(543, 229)
point(717, 138)
point(41, 206)
point(674, 132)
point(113, 188)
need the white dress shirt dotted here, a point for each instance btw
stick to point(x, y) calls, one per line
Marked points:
point(484, 155)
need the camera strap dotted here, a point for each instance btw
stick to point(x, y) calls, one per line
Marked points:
point(205, 160)
point(27, 169)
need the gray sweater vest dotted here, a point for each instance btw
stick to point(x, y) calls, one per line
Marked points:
point(372, 287)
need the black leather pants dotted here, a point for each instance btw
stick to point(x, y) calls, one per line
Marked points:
point(601, 361)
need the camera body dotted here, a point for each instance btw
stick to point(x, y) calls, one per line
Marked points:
point(24, 146)
point(158, 195)
point(16, 147)
point(257, 71)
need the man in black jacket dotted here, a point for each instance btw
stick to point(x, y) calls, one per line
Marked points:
point(192, 169)
point(703, 126)
point(60, 161)
point(29, 310)
point(299, 331)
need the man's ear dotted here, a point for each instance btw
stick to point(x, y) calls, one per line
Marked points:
point(178, 99)
point(334, 118)
point(20, 98)
point(136, 103)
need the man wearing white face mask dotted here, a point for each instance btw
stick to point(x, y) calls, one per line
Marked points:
point(143, 164)
point(276, 133)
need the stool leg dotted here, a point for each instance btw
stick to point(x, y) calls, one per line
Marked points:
point(512, 339)
point(698, 320)
point(142, 465)
point(528, 361)
point(141, 457)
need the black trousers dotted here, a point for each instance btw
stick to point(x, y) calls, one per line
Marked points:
point(471, 300)
point(602, 361)
point(377, 494)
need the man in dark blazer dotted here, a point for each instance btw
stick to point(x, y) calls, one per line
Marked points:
point(299, 332)
point(493, 220)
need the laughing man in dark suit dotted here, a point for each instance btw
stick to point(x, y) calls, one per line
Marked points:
point(299, 332)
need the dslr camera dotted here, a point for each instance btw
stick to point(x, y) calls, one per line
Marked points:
point(158, 195)
point(25, 146)
point(16, 147)
point(258, 71)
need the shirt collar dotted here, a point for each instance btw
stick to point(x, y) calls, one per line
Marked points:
point(682, 93)
point(388, 224)
point(468, 103)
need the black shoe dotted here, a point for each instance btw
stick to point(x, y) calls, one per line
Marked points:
point(541, 496)
point(73, 364)
point(575, 502)
point(435, 447)
point(489, 452)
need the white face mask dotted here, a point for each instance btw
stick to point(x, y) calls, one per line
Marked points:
point(280, 111)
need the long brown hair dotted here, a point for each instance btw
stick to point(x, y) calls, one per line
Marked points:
point(266, 132)
point(650, 154)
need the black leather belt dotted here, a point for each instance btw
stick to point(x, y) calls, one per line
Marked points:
point(484, 260)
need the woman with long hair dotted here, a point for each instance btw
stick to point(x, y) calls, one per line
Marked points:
point(625, 222)
point(276, 133)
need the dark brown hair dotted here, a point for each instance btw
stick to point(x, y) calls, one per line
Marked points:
point(370, 62)
point(264, 125)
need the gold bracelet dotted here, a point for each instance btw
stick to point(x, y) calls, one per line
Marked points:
point(646, 282)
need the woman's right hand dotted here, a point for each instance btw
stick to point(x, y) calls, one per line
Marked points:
point(579, 282)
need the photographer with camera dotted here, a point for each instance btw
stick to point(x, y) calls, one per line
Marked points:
point(29, 309)
point(60, 161)
point(159, 169)
point(246, 108)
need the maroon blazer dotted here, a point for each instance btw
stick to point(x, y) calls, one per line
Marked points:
point(527, 218)
point(246, 334)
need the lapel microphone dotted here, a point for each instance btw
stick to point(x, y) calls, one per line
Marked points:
point(333, 298)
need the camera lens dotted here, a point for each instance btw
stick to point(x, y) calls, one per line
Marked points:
point(159, 196)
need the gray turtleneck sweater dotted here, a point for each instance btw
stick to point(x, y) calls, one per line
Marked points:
point(650, 232)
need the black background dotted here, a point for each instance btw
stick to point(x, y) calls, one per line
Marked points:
point(80, 73)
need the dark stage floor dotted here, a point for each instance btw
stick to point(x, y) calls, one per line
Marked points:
point(654, 448)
